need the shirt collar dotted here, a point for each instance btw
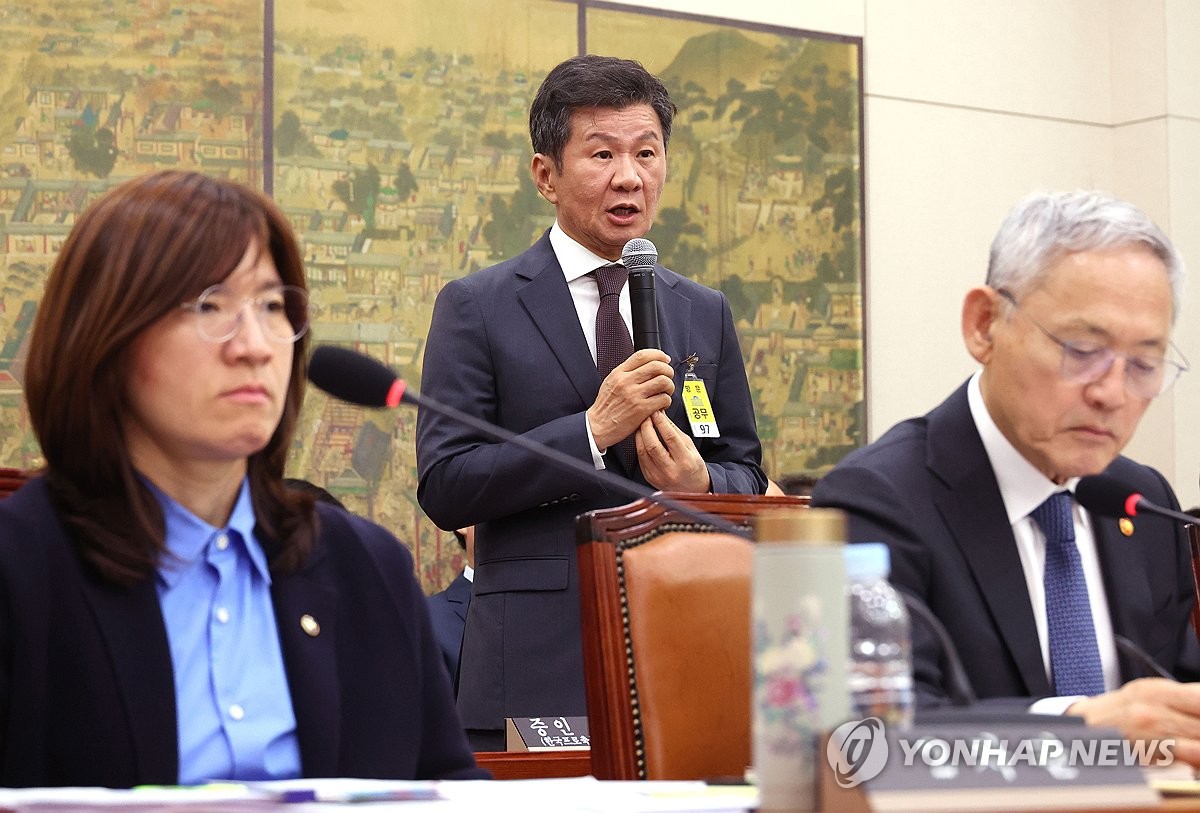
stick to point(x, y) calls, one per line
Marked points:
point(188, 536)
point(1022, 486)
point(575, 260)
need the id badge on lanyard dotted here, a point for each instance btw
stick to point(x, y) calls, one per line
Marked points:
point(696, 404)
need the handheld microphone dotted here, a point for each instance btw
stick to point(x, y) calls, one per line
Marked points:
point(639, 257)
point(360, 379)
point(1107, 496)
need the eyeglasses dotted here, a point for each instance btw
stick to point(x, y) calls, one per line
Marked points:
point(282, 313)
point(1145, 376)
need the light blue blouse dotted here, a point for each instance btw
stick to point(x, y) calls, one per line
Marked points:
point(234, 706)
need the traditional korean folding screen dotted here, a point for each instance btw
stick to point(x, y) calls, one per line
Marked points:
point(394, 135)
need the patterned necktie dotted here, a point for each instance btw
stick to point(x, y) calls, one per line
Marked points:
point(613, 344)
point(1074, 655)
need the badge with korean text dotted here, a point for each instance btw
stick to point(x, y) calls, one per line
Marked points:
point(695, 401)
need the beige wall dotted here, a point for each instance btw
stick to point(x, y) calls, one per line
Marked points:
point(970, 105)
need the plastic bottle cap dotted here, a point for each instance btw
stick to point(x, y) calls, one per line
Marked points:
point(813, 526)
point(867, 560)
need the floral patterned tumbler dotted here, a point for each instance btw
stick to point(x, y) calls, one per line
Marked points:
point(801, 640)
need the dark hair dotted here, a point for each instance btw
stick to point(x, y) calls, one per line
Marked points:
point(318, 493)
point(592, 81)
point(462, 539)
point(133, 257)
point(800, 485)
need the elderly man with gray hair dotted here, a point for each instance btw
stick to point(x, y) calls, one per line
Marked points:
point(975, 499)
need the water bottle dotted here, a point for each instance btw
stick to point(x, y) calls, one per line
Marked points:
point(801, 650)
point(881, 682)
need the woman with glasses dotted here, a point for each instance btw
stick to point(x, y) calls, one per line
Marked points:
point(170, 611)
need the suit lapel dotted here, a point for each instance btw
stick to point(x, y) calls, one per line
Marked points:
point(1126, 584)
point(675, 333)
point(674, 317)
point(547, 299)
point(131, 622)
point(542, 291)
point(310, 657)
point(974, 511)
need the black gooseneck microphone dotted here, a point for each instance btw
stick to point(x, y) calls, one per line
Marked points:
point(1150, 667)
point(958, 684)
point(639, 258)
point(360, 379)
point(1107, 496)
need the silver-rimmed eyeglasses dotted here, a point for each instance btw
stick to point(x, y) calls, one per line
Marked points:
point(282, 313)
point(1146, 376)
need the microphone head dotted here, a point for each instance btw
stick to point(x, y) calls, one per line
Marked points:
point(639, 253)
point(1106, 496)
point(353, 377)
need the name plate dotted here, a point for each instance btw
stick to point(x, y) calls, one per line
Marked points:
point(1035, 766)
point(547, 734)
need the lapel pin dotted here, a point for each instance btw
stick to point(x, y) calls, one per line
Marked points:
point(310, 625)
point(1126, 526)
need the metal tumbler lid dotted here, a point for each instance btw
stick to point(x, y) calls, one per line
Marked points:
point(813, 526)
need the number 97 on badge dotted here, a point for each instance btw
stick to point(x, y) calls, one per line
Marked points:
point(699, 410)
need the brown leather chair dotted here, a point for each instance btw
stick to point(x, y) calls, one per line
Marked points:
point(12, 479)
point(665, 604)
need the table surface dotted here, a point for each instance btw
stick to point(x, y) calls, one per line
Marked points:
point(535, 764)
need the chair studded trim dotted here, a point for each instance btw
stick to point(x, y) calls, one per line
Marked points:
point(650, 610)
point(630, 662)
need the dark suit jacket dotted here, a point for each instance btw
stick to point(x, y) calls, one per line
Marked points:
point(927, 489)
point(448, 612)
point(505, 345)
point(87, 692)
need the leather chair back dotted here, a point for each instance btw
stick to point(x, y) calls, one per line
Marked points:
point(11, 480)
point(665, 604)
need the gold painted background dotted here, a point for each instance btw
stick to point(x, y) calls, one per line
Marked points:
point(401, 156)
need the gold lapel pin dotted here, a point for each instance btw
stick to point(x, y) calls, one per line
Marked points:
point(310, 625)
point(1126, 526)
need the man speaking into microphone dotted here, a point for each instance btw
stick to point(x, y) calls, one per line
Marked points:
point(541, 345)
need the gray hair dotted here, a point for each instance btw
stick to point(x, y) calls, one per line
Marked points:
point(1046, 226)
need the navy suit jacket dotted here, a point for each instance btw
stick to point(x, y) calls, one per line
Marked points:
point(505, 345)
point(927, 489)
point(448, 612)
point(87, 693)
